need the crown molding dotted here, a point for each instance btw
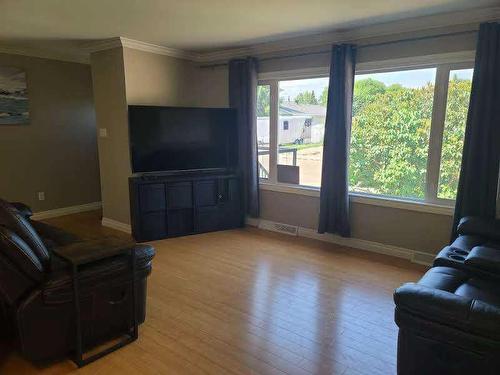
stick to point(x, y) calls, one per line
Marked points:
point(75, 56)
point(160, 50)
point(123, 42)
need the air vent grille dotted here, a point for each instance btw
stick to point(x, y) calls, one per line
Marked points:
point(284, 228)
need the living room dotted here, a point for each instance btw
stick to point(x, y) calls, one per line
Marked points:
point(297, 187)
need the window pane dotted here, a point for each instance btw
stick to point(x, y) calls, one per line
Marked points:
point(301, 125)
point(263, 110)
point(390, 132)
point(457, 107)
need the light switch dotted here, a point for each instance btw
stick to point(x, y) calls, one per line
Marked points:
point(41, 196)
point(103, 132)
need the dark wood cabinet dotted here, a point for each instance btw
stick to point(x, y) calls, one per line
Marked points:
point(177, 205)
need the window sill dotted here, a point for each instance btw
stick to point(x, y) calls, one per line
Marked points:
point(365, 199)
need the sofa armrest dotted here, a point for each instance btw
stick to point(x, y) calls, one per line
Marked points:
point(479, 226)
point(23, 209)
point(446, 308)
point(485, 259)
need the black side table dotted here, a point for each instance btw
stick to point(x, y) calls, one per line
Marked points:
point(87, 252)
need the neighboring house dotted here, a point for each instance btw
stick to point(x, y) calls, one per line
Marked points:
point(298, 123)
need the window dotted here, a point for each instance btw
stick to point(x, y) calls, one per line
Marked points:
point(407, 131)
point(457, 104)
point(263, 121)
point(392, 115)
point(299, 120)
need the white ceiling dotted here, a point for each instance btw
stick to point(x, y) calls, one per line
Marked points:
point(202, 24)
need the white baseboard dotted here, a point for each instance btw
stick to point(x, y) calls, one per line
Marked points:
point(66, 210)
point(118, 225)
point(356, 243)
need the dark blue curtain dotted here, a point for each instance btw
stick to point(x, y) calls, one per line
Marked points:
point(478, 184)
point(334, 198)
point(243, 97)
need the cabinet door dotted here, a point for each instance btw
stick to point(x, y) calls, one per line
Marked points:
point(180, 222)
point(206, 193)
point(153, 226)
point(152, 197)
point(208, 219)
point(179, 195)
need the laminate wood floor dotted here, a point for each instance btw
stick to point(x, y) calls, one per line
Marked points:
point(248, 301)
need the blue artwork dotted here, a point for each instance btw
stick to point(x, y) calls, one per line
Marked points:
point(13, 97)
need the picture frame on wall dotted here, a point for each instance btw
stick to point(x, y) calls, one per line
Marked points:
point(14, 104)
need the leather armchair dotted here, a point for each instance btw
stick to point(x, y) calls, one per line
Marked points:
point(36, 297)
point(449, 321)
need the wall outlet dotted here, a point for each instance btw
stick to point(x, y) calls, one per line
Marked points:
point(103, 132)
point(41, 195)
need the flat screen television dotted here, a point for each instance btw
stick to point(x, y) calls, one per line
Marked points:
point(166, 139)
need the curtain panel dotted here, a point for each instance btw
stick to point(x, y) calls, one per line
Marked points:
point(243, 97)
point(334, 196)
point(478, 183)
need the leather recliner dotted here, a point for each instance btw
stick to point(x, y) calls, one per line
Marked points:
point(36, 294)
point(449, 321)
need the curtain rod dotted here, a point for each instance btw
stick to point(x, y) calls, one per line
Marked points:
point(368, 45)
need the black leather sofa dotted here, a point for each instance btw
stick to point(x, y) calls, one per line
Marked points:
point(36, 295)
point(449, 321)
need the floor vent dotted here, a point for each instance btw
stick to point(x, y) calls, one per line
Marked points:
point(284, 228)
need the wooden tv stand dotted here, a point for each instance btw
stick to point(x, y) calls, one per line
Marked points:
point(179, 204)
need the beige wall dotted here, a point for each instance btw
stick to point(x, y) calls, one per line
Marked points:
point(125, 77)
point(57, 152)
point(108, 76)
point(393, 226)
point(153, 79)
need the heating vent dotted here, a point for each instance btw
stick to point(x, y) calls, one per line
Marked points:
point(284, 228)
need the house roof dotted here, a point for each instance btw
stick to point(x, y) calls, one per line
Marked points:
point(294, 109)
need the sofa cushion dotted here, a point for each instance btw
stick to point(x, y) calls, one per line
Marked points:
point(12, 219)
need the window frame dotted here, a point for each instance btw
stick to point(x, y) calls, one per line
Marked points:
point(444, 64)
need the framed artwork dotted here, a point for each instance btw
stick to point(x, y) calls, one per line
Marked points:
point(14, 108)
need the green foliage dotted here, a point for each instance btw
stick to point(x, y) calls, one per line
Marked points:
point(390, 138)
point(453, 137)
point(263, 100)
point(323, 99)
point(306, 97)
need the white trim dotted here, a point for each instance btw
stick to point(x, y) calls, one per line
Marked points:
point(114, 224)
point(323, 71)
point(101, 45)
point(356, 243)
point(66, 210)
point(111, 43)
point(60, 55)
point(160, 50)
point(373, 200)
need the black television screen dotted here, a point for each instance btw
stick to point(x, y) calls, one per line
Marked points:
point(181, 138)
